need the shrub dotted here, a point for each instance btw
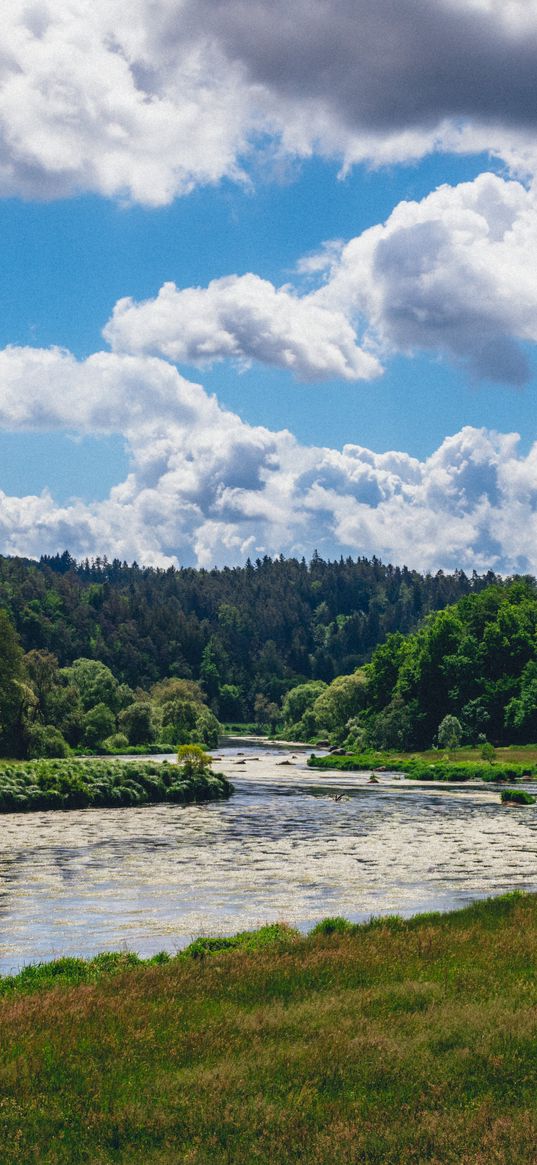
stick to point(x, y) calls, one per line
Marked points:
point(116, 743)
point(43, 740)
point(517, 797)
point(193, 759)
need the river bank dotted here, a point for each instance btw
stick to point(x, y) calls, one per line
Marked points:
point(397, 1042)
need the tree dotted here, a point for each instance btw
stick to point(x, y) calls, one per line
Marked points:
point(343, 699)
point(95, 683)
point(449, 733)
point(136, 721)
point(99, 723)
point(298, 700)
point(193, 760)
point(12, 702)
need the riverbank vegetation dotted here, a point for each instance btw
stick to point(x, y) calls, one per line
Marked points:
point(425, 767)
point(392, 1043)
point(78, 784)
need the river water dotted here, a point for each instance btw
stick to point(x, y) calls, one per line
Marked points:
point(282, 848)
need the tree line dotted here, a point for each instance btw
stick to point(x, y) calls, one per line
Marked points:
point(243, 636)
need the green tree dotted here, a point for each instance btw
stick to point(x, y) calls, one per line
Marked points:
point(344, 699)
point(99, 723)
point(12, 695)
point(95, 684)
point(300, 699)
point(193, 760)
point(450, 732)
point(136, 722)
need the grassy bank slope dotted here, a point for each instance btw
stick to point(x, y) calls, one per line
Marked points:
point(394, 1043)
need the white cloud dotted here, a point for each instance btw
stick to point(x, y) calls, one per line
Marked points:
point(245, 318)
point(206, 488)
point(146, 99)
point(454, 274)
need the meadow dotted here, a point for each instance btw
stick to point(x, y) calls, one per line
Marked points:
point(394, 1042)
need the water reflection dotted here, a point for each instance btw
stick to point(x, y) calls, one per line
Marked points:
point(281, 848)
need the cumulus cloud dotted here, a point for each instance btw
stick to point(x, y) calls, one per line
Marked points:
point(245, 318)
point(454, 275)
point(204, 487)
point(146, 99)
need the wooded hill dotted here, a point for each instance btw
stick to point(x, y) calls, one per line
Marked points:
point(254, 630)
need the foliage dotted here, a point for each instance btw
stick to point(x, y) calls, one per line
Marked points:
point(44, 740)
point(193, 760)
point(449, 732)
point(517, 797)
point(75, 784)
point(424, 769)
point(395, 1042)
point(475, 662)
point(99, 723)
point(11, 695)
point(136, 722)
point(259, 629)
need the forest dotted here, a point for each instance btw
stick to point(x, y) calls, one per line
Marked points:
point(467, 675)
point(105, 656)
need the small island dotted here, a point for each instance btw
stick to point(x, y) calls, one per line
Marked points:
point(40, 785)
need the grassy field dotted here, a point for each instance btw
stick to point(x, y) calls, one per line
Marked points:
point(394, 1043)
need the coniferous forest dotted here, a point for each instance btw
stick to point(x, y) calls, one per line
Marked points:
point(256, 628)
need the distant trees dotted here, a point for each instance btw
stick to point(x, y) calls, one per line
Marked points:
point(12, 694)
point(260, 629)
point(468, 671)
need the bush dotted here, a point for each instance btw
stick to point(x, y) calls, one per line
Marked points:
point(517, 797)
point(116, 743)
point(193, 760)
point(43, 740)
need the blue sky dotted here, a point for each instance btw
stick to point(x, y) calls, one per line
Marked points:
point(203, 154)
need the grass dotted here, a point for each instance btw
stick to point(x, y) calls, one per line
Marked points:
point(460, 765)
point(39, 785)
point(393, 1043)
point(517, 797)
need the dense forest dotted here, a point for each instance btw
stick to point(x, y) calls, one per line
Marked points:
point(467, 675)
point(256, 629)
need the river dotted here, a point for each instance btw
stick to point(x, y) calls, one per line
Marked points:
point(282, 848)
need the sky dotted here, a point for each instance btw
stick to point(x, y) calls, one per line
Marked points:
point(269, 280)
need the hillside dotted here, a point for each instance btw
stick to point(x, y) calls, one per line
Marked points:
point(257, 629)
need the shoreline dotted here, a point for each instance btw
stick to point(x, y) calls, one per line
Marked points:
point(72, 970)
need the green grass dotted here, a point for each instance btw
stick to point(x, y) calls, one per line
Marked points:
point(393, 1043)
point(517, 797)
point(429, 766)
point(28, 786)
